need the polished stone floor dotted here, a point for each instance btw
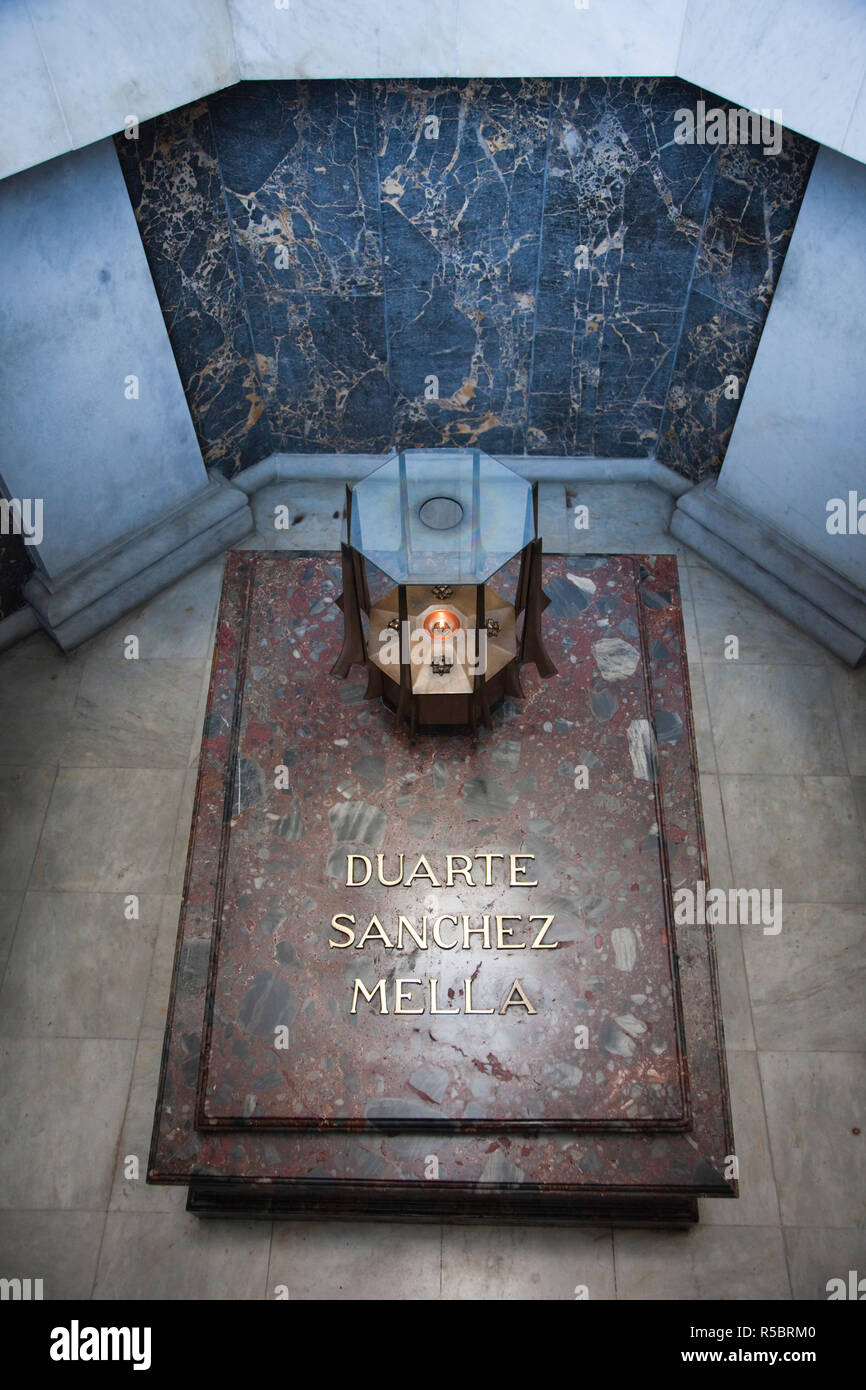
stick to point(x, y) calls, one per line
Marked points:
point(97, 771)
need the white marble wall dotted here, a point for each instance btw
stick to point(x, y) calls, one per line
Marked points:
point(800, 436)
point(71, 71)
point(804, 57)
point(79, 316)
point(457, 38)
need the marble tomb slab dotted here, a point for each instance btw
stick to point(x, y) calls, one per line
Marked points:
point(516, 1130)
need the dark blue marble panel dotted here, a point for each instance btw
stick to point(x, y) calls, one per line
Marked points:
point(623, 213)
point(176, 191)
point(752, 212)
point(717, 343)
point(461, 172)
point(299, 166)
point(544, 249)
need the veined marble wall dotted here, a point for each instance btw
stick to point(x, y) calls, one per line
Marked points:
point(322, 250)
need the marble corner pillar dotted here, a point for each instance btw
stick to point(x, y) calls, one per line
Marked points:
point(800, 437)
point(95, 432)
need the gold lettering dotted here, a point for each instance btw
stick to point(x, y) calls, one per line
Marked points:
point(465, 870)
point(443, 945)
point(378, 988)
point(521, 869)
point(403, 923)
point(400, 996)
point(350, 863)
point(467, 984)
point(484, 929)
point(502, 932)
point(389, 882)
point(522, 1002)
point(434, 1000)
point(338, 926)
point(539, 944)
point(426, 872)
point(488, 867)
point(377, 932)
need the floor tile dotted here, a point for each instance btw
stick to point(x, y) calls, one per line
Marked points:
point(706, 1262)
point(723, 608)
point(36, 702)
point(757, 1204)
point(63, 1101)
point(58, 1247)
point(155, 1012)
point(773, 719)
point(813, 1102)
point(178, 622)
point(10, 907)
point(734, 987)
point(134, 713)
point(180, 843)
point(78, 967)
point(808, 984)
point(701, 715)
point(624, 518)
point(799, 834)
point(314, 516)
point(362, 1260)
point(849, 697)
point(130, 1193)
point(554, 519)
point(109, 830)
point(500, 1263)
point(24, 798)
point(859, 785)
point(817, 1255)
point(716, 833)
point(690, 627)
point(170, 1255)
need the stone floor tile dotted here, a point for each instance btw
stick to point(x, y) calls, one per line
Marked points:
point(155, 1012)
point(757, 1204)
point(734, 987)
point(63, 1101)
point(136, 1194)
point(773, 719)
point(814, 1101)
point(364, 1260)
point(10, 908)
point(134, 713)
point(729, 1263)
point(849, 697)
point(171, 1255)
point(24, 799)
point(498, 1263)
point(180, 842)
point(716, 833)
point(79, 967)
point(59, 1247)
point(808, 984)
point(798, 834)
point(178, 622)
point(314, 516)
point(109, 830)
point(723, 608)
point(554, 519)
point(816, 1255)
point(701, 715)
point(36, 703)
point(624, 518)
